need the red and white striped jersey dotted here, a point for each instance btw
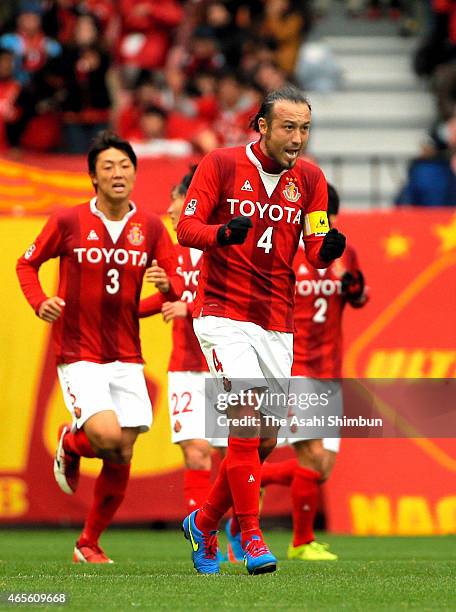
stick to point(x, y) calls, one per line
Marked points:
point(186, 354)
point(253, 281)
point(319, 308)
point(100, 280)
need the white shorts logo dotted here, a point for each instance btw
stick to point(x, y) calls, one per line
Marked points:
point(191, 207)
point(29, 252)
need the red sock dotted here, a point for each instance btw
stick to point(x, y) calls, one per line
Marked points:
point(304, 497)
point(244, 476)
point(109, 493)
point(217, 503)
point(78, 443)
point(197, 484)
point(235, 528)
point(280, 473)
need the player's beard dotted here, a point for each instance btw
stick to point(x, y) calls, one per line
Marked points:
point(285, 165)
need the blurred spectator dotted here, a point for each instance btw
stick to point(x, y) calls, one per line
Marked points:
point(268, 76)
point(232, 23)
point(234, 107)
point(151, 137)
point(431, 177)
point(444, 86)
point(286, 22)
point(203, 54)
point(37, 123)
point(439, 45)
point(31, 48)
point(8, 10)
point(87, 103)
point(59, 19)
point(9, 90)
point(148, 26)
point(317, 68)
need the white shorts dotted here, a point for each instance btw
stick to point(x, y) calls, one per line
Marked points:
point(89, 388)
point(239, 352)
point(304, 406)
point(187, 412)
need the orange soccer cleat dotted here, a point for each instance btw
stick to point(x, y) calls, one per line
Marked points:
point(90, 553)
point(66, 465)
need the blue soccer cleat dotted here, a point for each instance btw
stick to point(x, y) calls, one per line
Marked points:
point(258, 559)
point(235, 551)
point(204, 546)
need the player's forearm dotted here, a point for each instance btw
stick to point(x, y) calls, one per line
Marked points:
point(313, 246)
point(193, 233)
point(176, 288)
point(30, 284)
point(151, 305)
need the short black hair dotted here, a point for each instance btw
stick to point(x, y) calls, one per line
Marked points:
point(333, 200)
point(183, 186)
point(288, 92)
point(107, 140)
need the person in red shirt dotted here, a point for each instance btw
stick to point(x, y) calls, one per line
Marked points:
point(104, 247)
point(247, 207)
point(321, 298)
point(187, 366)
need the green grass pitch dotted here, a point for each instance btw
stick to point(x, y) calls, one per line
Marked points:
point(153, 570)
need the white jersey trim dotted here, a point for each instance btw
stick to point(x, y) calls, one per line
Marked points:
point(270, 181)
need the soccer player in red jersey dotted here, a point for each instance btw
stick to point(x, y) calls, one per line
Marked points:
point(247, 208)
point(104, 247)
point(321, 297)
point(187, 366)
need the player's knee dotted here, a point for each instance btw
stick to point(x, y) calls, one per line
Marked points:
point(267, 445)
point(197, 455)
point(108, 442)
point(125, 454)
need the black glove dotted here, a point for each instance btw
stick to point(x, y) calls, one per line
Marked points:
point(234, 232)
point(333, 245)
point(353, 285)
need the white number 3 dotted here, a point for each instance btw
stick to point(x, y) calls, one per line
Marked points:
point(114, 285)
point(265, 240)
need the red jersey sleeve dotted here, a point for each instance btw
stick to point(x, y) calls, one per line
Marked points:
point(193, 229)
point(166, 258)
point(47, 246)
point(151, 305)
point(313, 233)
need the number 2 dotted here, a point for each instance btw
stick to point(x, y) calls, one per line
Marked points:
point(321, 306)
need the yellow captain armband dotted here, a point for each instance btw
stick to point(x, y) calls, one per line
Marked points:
point(316, 223)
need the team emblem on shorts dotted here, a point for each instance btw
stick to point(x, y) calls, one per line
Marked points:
point(226, 384)
point(135, 235)
point(77, 412)
point(177, 427)
point(29, 252)
point(291, 192)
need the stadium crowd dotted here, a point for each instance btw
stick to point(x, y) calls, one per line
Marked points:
point(171, 76)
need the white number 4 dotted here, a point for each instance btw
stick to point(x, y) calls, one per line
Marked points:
point(114, 285)
point(265, 240)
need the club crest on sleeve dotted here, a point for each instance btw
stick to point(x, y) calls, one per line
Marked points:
point(291, 192)
point(29, 252)
point(247, 186)
point(135, 235)
point(191, 207)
